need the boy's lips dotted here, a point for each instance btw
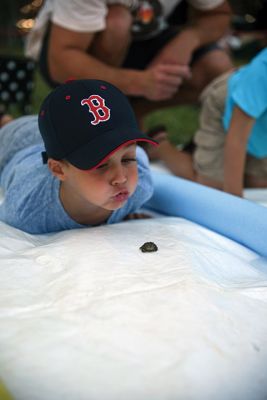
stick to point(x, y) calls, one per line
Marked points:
point(122, 195)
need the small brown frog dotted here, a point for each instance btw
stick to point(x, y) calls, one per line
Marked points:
point(149, 247)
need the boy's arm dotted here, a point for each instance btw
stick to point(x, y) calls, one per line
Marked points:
point(235, 151)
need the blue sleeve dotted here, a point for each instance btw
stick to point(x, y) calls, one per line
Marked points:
point(31, 201)
point(250, 94)
point(16, 136)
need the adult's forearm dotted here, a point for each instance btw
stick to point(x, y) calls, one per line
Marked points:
point(76, 64)
point(159, 82)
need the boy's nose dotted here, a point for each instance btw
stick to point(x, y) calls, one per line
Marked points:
point(119, 176)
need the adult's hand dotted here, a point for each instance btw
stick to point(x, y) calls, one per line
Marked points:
point(162, 81)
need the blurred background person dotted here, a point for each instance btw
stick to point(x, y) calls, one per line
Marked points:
point(158, 53)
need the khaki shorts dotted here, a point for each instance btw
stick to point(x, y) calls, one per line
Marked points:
point(210, 138)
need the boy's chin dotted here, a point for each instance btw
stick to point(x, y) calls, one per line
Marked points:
point(114, 208)
point(115, 205)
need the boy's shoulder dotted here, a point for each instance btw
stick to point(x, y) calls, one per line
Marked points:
point(31, 192)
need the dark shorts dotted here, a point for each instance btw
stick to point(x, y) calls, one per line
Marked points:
point(141, 53)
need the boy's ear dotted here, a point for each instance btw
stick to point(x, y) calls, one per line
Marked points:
point(57, 168)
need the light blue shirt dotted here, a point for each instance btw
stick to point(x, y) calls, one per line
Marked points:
point(31, 201)
point(247, 89)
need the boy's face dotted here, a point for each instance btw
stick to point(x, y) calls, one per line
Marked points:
point(108, 186)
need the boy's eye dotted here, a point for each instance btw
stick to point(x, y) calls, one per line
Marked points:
point(102, 166)
point(128, 160)
point(124, 161)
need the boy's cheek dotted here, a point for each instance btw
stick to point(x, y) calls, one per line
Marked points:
point(134, 182)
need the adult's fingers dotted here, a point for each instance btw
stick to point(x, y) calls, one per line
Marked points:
point(182, 71)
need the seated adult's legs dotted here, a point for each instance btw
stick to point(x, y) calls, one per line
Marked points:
point(108, 46)
point(205, 69)
point(111, 45)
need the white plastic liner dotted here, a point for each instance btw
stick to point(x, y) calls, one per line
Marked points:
point(85, 315)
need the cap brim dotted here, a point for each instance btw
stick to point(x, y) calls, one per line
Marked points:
point(91, 155)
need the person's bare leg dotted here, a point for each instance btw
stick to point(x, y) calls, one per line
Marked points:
point(209, 182)
point(208, 67)
point(255, 182)
point(111, 45)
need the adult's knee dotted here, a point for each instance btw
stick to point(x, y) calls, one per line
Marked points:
point(219, 62)
point(211, 66)
point(119, 23)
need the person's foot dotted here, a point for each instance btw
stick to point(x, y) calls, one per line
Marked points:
point(5, 119)
point(158, 133)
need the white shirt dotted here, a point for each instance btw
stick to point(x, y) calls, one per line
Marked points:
point(89, 16)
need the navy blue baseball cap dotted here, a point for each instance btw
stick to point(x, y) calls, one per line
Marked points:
point(85, 121)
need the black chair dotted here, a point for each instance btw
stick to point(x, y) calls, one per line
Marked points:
point(16, 83)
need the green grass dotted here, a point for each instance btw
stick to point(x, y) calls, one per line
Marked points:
point(181, 122)
point(40, 91)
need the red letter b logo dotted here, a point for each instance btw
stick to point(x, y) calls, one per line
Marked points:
point(98, 108)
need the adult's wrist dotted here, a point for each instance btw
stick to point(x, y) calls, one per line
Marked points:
point(132, 82)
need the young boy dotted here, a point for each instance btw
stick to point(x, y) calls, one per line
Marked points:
point(231, 143)
point(90, 171)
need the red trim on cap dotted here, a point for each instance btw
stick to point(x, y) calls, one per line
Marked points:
point(117, 148)
point(70, 79)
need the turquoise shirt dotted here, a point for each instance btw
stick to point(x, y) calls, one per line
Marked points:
point(247, 89)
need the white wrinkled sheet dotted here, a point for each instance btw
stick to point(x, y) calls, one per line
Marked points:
point(84, 315)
